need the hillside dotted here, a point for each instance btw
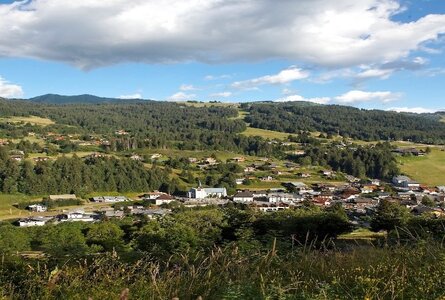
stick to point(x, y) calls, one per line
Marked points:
point(360, 124)
point(86, 99)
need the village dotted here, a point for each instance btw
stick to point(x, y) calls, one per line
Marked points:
point(358, 198)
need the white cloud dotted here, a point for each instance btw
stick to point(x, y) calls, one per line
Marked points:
point(416, 110)
point(9, 90)
point(221, 95)
point(132, 96)
point(293, 98)
point(94, 33)
point(181, 96)
point(285, 76)
point(187, 87)
point(217, 77)
point(356, 96)
point(374, 73)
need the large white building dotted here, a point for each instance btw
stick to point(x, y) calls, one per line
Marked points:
point(202, 193)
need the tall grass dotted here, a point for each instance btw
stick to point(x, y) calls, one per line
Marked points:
point(403, 272)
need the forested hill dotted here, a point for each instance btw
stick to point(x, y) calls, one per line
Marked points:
point(60, 99)
point(347, 121)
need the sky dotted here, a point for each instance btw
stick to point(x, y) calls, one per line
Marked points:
point(382, 54)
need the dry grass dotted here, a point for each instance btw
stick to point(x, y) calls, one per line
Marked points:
point(32, 120)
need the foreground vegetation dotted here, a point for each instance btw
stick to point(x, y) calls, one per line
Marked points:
point(229, 253)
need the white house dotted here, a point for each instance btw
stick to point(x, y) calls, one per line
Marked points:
point(243, 197)
point(34, 221)
point(110, 199)
point(37, 208)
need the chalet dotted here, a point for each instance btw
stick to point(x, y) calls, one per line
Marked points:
point(109, 199)
point(163, 199)
point(243, 197)
point(267, 178)
point(34, 221)
point(299, 152)
point(259, 194)
point(349, 193)
point(279, 197)
point(374, 182)
point(37, 208)
point(152, 196)
point(321, 201)
point(210, 161)
point(16, 157)
point(326, 173)
point(249, 169)
point(239, 181)
point(192, 160)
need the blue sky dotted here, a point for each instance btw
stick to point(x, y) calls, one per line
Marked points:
point(382, 54)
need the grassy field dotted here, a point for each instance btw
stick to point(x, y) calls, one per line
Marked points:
point(7, 210)
point(428, 170)
point(267, 134)
point(32, 119)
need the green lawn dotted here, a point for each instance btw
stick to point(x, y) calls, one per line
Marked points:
point(32, 119)
point(267, 134)
point(7, 210)
point(428, 170)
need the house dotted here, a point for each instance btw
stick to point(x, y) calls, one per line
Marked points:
point(163, 199)
point(374, 182)
point(267, 178)
point(304, 175)
point(152, 196)
point(121, 132)
point(326, 173)
point(62, 197)
point(249, 169)
point(405, 182)
point(259, 194)
point(202, 193)
point(239, 159)
point(37, 208)
point(78, 216)
point(239, 181)
point(352, 179)
point(156, 156)
point(192, 160)
point(34, 221)
point(16, 157)
point(95, 155)
point(272, 208)
point(279, 197)
point(299, 187)
point(368, 188)
point(109, 199)
point(440, 188)
point(243, 197)
point(41, 158)
point(136, 157)
point(210, 161)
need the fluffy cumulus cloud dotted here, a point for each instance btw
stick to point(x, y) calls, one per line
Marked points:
point(95, 33)
point(187, 87)
point(415, 110)
point(356, 96)
point(293, 98)
point(283, 77)
point(181, 96)
point(9, 90)
point(131, 96)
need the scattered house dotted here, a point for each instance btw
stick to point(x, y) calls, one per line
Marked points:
point(95, 155)
point(267, 178)
point(259, 194)
point(321, 201)
point(152, 196)
point(34, 221)
point(41, 158)
point(156, 156)
point(243, 197)
point(78, 216)
point(304, 175)
point(368, 188)
point(163, 199)
point(405, 182)
point(239, 159)
point(202, 193)
point(326, 173)
point(279, 198)
point(374, 182)
point(352, 179)
point(136, 157)
point(299, 152)
point(62, 197)
point(440, 188)
point(37, 208)
point(409, 151)
point(4, 142)
point(349, 193)
point(210, 161)
point(272, 207)
point(17, 157)
point(109, 199)
point(362, 203)
point(192, 160)
point(249, 169)
point(121, 132)
point(239, 181)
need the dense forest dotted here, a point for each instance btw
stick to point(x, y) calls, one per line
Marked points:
point(81, 176)
point(368, 125)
